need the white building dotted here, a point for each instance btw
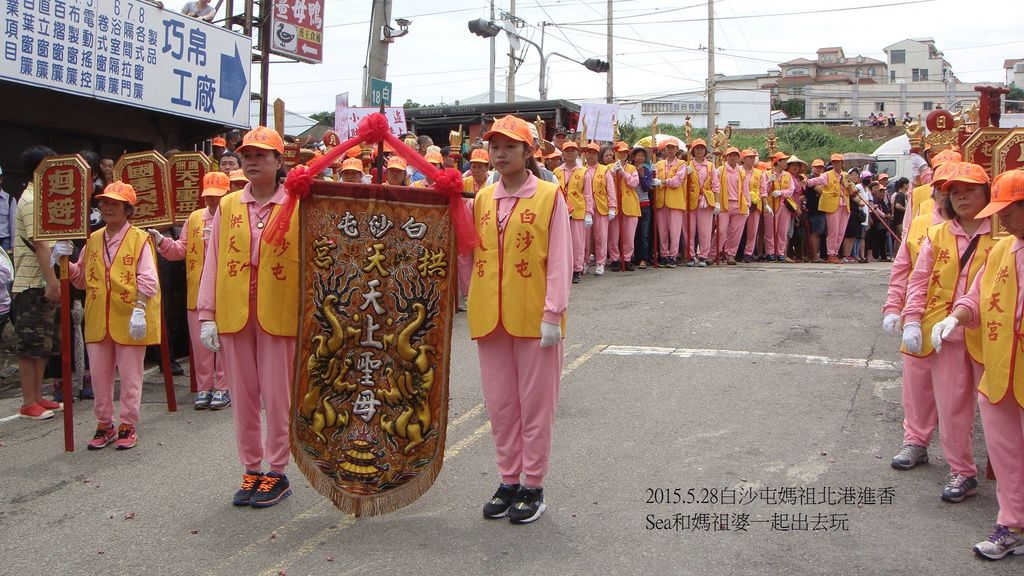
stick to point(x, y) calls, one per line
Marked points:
point(917, 60)
point(1014, 72)
point(736, 108)
point(829, 102)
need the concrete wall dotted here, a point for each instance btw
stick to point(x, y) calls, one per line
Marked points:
point(743, 108)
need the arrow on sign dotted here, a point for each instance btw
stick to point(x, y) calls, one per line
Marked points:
point(310, 50)
point(232, 79)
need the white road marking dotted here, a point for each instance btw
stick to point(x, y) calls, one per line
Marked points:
point(748, 355)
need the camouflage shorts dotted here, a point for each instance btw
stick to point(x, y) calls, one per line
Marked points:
point(37, 334)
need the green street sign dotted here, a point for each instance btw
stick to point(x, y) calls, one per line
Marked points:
point(380, 92)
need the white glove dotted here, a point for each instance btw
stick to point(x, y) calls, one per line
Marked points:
point(209, 337)
point(611, 214)
point(588, 221)
point(777, 193)
point(718, 208)
point(912, 337)
point(617, 167)
point(137, 324)
point(61, 248)
point(768, 209)
point(156, 236)
point(891, 325)
point(550, 334)
point(942, 330)
point(657, 182)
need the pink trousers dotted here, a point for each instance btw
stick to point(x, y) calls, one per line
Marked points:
point(730, 228)
point(954, 378)
point(776, 231)
point(600, 229)
point(753, 223)
point(701, 221)
point(259, 370)
point(628, 225)
point(465, 262)
point(105, 359)
point(836, 223)
point(209, 366)
point(520, 384)
point(1004, 440)
point(670, 231)
point(919, 414)
point(578, 232)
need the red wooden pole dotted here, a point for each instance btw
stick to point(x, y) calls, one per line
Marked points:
point(193, 385)
point(165, 362)
point(65, 356)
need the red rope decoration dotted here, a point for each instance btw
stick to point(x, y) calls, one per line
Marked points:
point(372, 130)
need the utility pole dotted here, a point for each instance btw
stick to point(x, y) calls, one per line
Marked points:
point(510, 84)
point(711, 66)
point(264, 57)
point(377, 47)
point(491, 99)
point(611, 66)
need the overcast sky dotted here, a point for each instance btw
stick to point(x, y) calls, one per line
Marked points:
point(656, 44)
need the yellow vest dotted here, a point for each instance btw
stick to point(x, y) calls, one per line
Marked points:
point(469, 185)
point(573, 191)
point(599, 186)
point(945, 273)
point(111, 294)
point(723, 184)
point(782, 182)
point(696, 188)
point(195, 255)
point(918, 196)
point(831, 192)
point(753, 184)
point(629, 202)
point(915, 236)
point(1000, 333)
point(277, 276)
point(509, 286)
point(674, 198)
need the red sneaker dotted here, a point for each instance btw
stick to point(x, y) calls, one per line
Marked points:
point(35, 412)
point(104, 435)
point(126, 437)
point(51, 405)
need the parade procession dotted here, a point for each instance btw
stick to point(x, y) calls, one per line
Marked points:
point(267, 319)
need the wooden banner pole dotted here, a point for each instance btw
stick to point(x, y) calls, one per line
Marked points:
point(165, 363)
point(65, 356)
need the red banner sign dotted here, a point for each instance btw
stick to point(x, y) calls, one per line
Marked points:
point(298, 29)
point(187, 170)
point(62, 186)
point(980, 146)
point(147, 172)
point(291, 155)
point(1008, 153)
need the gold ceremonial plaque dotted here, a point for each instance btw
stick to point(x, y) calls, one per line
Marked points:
point(187, 170)
point(979, 148)
point(148, 173)
point(1008, 153)
point(62, 186)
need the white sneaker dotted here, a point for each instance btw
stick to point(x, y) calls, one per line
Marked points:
point(599, 270)
point(1002, 542)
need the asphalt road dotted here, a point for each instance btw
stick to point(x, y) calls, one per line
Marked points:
point(734, 420)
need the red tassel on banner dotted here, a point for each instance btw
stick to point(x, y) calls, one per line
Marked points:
point(373, 129)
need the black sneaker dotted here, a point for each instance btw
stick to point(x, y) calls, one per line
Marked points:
point(630, 267)
point(528, 507)
point(250, 482)
point(615, 267)
point(577, 277)
point(272, 489)
point(498, 505)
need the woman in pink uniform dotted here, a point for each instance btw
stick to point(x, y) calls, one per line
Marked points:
point(624, 230)
point(579, 204)
point(599, 184)
point(736, 201)
point(122, 312)
point(248, 302)
point(212, 388)
point(920, 417)
point(517, 307)
point(703, 191)
point(776, 224)
point(1001, 390)
point(946, 266)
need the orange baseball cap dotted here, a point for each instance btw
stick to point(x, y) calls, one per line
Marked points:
point(262, 137)
point(698, 142)
point(592, 146)
point(883, 176)
point(354, 152)
point(512, 127)
point(434, 158)
point(666, 142)
point(732, 150)
point(218, 141)
point(941, 174)
point(397, 163)
point(570, 144)
point(237, 176)
point(621, 146)
point(556, 154)
point(965, 172)
point(119, 191)
point(818, 162)
point(480, 155)
point(215, 184)
point(352, 164)
point(748, 153)
point(835, 158)
point(946, 156)
point(1007, 188)
point(779, 156)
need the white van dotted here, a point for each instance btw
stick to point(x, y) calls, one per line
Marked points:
point(893, 158)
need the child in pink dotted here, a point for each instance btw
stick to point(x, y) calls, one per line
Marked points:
point(703, 178)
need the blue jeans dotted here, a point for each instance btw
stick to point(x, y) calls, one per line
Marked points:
point(642, 241)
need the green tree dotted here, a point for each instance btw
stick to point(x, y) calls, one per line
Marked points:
point(1015, 94)
point(792, 108)
point(324, 117)
point(410, 104)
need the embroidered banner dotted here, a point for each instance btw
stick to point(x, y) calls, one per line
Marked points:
point(186, 173)
point(148, 173)
point(370, 400)
point(62, 187)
